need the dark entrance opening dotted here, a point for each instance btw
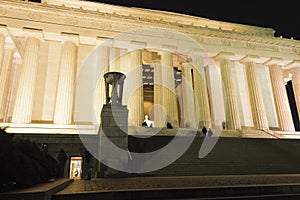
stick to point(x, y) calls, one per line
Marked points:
point(291, 97)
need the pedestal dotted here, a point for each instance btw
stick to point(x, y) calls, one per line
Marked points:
point(114, 126)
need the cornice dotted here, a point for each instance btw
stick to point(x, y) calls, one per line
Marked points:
point(162, 16)
point(97, 20)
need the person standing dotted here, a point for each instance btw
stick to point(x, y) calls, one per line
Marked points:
point(209, 132)
point(223, 124)
point(204, 130)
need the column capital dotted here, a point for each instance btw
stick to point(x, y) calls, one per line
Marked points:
point(35, 33)
point(249, 58)
point(293, 64)
point(136, 45)
point(104, 40)
point(274, 61)
point(70, 37)
point(223, 55)
point(3, 31)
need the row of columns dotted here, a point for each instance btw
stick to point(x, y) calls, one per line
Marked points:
point(23, 107)
point(166, 106)
point(259, 115)
point(164, 89)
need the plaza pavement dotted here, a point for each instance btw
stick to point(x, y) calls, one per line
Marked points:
point(284, 186)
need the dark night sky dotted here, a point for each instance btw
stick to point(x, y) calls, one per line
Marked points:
point(282, 16)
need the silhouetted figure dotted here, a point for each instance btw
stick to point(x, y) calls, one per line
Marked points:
point(89, 174)
point(62, 158)
point(204, 130)
point(209, 132)
point(144, 124)
point(169, 125)
point(187, 125)
point(223, 124)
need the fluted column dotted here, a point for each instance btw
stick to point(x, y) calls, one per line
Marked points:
point(24, 98)
point(259, 114)
point(231, 106)
point(201, 94)
point(284, 114)
point(169, 101)
point(158, 103)
point(2, 43)
point(65, 91)
point(5, 72)
point(136, 103)
point(188, 97)
point(296, 87)
point(102, 67)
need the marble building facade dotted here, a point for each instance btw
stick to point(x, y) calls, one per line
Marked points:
point(240, 78)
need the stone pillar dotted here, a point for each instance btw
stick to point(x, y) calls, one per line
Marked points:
point(169, 101)
point(201, 94)
point(2, 43)
point(188, 97)
point(284, 114)
point(25, 93)
point(5, 72)
point(259, 114)
point(136, 103)
point(296, 87)
point(65, 90)
point(99, 96)
point(158, 109)
point(231, 107)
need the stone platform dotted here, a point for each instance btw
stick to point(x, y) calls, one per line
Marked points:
point(42, 191)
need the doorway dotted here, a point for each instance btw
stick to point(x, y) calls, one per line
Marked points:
point(75, 168)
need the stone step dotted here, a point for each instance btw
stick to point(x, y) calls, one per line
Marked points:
point(231, 156)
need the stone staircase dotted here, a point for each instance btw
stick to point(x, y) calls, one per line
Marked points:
point(230, 155)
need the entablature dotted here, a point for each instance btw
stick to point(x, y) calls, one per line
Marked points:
point(98, 20)
point(89, 25)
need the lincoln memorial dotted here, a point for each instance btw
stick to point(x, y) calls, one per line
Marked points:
point(189, 71)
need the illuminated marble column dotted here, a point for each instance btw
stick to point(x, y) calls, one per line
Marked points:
point(2, 43)
point(188, 97)
point(158, 110)
point(99, 95)
point(5, 71)
point(24, 98)
point(136, 103)
point(201, 94)
point(259, 115)
point(169, 101)
point(296, 86)
point(65, 90)
point(231, 107)
point(284, 114)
